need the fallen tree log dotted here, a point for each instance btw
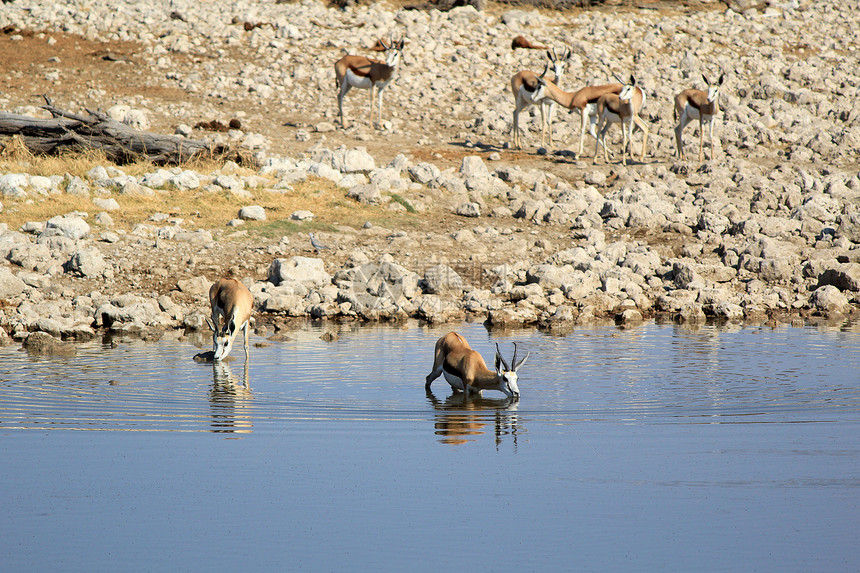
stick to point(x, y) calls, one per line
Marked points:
point(121, 143)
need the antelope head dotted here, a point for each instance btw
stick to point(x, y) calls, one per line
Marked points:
point(393, 49)
point(507, 374)
point(627, 91)
point(714, 89)
point(222, 342)
point(558, 61)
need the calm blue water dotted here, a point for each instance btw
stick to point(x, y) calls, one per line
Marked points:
point(651, 449)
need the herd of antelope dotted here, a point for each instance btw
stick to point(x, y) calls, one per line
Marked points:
point(463, 368)
point(599, 106)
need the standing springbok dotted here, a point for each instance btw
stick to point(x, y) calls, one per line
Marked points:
point(523, 87)
point(231, 303)
point(465, 369)
point(622, 108)
point(585, 102)
point(694, 104)
point(360, 72)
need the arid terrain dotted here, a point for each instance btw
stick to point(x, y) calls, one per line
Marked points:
point(783, 187)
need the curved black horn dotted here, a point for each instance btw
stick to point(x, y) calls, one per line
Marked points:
point(521, 362)
point(502, 358)
point(545, 69)
point(514, 359)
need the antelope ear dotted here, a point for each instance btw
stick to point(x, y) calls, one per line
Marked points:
point(231, 327)
point(722, 77)
point(211, 324)
point(567, 53)
point(632, 80)
point(707, 81)
point(550, 56)
point(498, 360)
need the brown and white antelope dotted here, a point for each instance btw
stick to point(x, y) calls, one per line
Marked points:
point(585, 102)
point(465, 370)
point(527, 92)
point(691, 105)
point(622, 108)
point(365, 73)
point(231, 303)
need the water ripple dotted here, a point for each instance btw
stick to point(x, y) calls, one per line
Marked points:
point(655, 374)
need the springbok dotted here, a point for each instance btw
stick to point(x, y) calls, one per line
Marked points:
point(584, 101)
point(524, 43)
point(524, 86)
point(465, 369)
point(360, 72)
point(231, 303)
point(622, 108)
point(694, 104)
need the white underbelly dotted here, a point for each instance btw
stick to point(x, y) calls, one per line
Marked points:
point(693, 113)
point(358, 81)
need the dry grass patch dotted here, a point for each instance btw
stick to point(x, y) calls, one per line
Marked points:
point(328, 203)
point(198, 208)
point(16, 158)
point(15, 214)
point(207, 209)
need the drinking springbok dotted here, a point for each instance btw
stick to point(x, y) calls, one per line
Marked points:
point(231, 303)
point(623, 109)
point(365, 73)
point(694, 104)
point(524, 88)
point(464, 369)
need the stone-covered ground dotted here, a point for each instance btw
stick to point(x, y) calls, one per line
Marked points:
point(769, 228)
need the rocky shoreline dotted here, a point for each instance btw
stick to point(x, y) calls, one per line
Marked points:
point(796, 252)
point(769, 229)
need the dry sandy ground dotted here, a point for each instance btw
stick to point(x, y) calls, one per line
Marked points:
point(95, 74)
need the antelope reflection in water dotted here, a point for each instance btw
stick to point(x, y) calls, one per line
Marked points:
point(230, 400)
point(458, 418)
